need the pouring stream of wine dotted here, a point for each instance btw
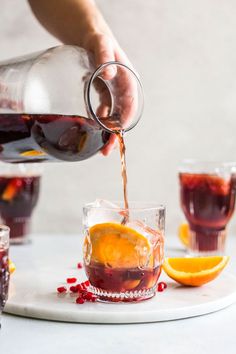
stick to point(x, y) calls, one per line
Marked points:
point(120, 136)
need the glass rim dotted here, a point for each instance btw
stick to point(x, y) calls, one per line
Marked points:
point(29, 169)
point(205, 165)
point(138, 206)
point(4, 228)
point(88, 96)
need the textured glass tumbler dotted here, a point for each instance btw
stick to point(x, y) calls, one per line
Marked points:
point(123, 250)
point(4, 266)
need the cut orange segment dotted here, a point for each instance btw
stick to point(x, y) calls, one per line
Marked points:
point(11, 189)
point(184, 234)
point(131, 284)
point(26, 117)
point(12, 267)
point(30, 153)
point(194, 271)
point(119, 246)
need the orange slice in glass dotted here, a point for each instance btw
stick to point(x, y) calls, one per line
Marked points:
point(12, 189)
point(12, 267)
point(184, 234)
point(31, 153)
point(119, 246)
point(194, 271)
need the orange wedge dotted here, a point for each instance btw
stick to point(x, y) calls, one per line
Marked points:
point(12, 189)
point(194, 271)
point(118, 246)
point(183, 233)
point(12, 267)
point(32, 153)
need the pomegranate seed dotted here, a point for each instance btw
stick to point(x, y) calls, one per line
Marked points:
point(61, 289)
point(71, 280)
point(87, 283)
point(94, 298)
point(18, 182)
point(84, 294)
point(79, 287)
point(73, 289)
point(164, 284)
point(161, 286)
point(88, 296)
point(79, 265)
point(80, 300)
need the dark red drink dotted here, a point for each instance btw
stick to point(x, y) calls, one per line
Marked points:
point(4, 277)
point(208, 202)
point(18, 197)
point(48, 137)
point(118, 280)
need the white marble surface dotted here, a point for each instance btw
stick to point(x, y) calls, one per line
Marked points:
point(33, 290)
point(213, 333)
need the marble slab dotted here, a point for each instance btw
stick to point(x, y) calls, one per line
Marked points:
point(49, 260)
point(34, 295)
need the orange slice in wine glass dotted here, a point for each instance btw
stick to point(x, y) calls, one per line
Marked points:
point(11, 190)
point(32, 153)
point(118, 246)
point(184, 234)
point(12, 267)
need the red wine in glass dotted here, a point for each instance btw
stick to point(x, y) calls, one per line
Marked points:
point(208, 202)
point(18, 198)
point(121, 280)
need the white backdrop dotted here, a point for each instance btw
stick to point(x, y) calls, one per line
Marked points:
point(185, 52)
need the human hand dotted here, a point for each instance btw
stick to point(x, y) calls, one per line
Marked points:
point(83, 25)
point(123, 85)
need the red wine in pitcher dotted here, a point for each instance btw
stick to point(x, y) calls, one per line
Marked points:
point(48, 137)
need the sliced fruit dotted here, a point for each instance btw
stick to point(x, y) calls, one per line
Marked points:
point(12, 267)
point(119, 246)
point(12, 189)
point(82, 141)
point(194, 271)
point(184, 234)
point(131, 284)
point(26, 117)
point(32, 153)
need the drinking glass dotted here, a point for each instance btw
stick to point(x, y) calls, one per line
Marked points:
point(4, 266)
point(19, 192)
point(207, 194)
point(123, 250)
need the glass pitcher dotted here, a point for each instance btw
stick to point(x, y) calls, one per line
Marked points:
point(56, 105)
